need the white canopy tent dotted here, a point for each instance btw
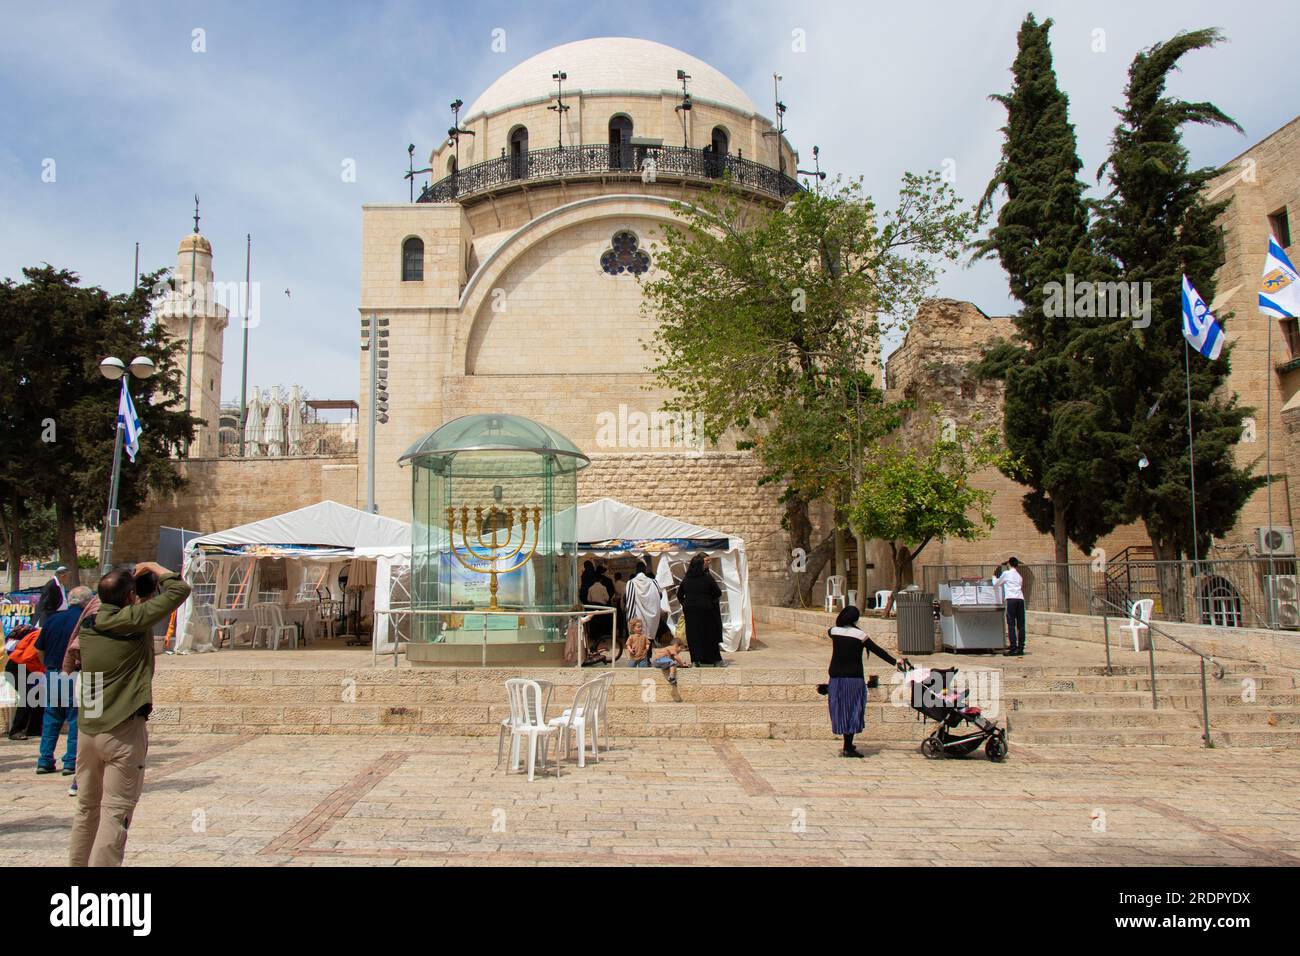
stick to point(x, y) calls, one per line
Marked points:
point(324, 537)
point(609, 528)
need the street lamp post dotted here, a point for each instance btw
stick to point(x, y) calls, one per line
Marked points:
point(113, 369)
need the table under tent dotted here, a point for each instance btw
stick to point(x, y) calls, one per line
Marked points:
point(325, 568)
point(617, 535)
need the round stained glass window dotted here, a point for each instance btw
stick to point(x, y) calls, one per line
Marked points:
point(624, 255)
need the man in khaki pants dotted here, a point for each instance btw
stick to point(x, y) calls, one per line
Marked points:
point(116, 698)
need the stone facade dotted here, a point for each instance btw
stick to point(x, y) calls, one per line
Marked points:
point(225, 492)
point(1263, 182)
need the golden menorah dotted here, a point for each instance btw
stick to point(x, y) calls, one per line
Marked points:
point(490, 554)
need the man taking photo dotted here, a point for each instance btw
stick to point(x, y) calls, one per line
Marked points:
point(116, 699)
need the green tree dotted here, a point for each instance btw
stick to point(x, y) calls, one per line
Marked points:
point(60, 413)
point(910, 498)
point(769, 321)
point(1041, 235)
point(1154, 225)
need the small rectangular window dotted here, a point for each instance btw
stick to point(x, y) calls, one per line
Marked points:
point(1279, 224)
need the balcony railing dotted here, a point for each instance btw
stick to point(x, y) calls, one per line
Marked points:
point(605, 161)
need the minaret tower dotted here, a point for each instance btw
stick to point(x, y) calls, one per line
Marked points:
point(198, 297)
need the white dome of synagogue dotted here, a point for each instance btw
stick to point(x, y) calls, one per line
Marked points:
point(609, 65)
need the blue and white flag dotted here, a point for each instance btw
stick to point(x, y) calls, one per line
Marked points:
point(1279, 289)
point(1199, 326)
point(130, 422)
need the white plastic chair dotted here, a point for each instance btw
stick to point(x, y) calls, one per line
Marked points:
point(835, 592)
point(508, 722)
point(271, 624)
point(882, 598)
point(527, 717)
point(218, 634)
point(1137, 625)
point(580, 719)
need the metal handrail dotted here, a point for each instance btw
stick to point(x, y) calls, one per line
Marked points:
point(604, 160)
point(1219, 670)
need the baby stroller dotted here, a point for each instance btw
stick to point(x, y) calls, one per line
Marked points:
point(933, 698)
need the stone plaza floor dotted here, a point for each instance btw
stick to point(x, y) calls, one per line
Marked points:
point(223, 800)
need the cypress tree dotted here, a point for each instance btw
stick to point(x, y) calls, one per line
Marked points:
point(1041, 235)
point(1154, 225)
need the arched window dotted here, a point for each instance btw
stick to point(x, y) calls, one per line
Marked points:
point(719, 145)
point(519, 152)
point(620, 141)
point(413, 260)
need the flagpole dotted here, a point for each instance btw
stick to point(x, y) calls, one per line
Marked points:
point(1191, 452)
point(1268, 458)
point(110, 519)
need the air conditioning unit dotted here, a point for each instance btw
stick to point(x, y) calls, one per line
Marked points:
point(1283, 600)
point(1276, 540)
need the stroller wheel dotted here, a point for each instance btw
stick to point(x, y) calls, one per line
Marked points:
point(996, 749)
point(931, 748)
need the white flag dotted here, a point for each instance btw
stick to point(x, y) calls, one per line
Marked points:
point(1279, 289)
point(1200, 328)
point(130, 422)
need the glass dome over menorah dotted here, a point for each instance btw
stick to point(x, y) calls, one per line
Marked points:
point(493, 552)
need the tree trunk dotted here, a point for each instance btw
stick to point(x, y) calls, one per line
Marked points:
point(1062, 542)
point(14, 539)
point(839, 555)
point(901, 558)
point(861, 544)
point(67, 535)
point(1168, 579)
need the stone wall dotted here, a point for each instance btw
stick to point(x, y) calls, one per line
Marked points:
point(224, 492)
point(718, 490)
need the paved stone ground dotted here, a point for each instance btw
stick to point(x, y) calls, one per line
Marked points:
point(274, 800)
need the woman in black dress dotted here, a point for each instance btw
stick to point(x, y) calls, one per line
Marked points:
point(699, 596)
point(847, 689)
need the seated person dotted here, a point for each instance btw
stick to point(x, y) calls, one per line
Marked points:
point(668, 659)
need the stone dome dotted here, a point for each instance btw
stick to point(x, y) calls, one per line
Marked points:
point(610, 64)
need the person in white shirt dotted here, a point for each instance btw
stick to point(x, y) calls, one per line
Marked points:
point(1013, 593)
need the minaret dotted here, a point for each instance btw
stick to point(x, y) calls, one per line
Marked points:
point(198, 295)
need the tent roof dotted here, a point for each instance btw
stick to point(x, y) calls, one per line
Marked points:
point(606, 519)
point(324, 524)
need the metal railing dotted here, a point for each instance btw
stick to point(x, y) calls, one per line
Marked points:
point(319, 439)
point(1105, 609)
point(1227, 592)
point(399, 617)
point(605, 161)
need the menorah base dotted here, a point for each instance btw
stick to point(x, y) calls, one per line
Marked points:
point(465, 648)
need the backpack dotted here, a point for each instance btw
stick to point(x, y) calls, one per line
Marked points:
point(26, 655)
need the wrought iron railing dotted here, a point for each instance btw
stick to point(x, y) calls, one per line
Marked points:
point(319, 439)
point(649, 163)
point(1229, 592)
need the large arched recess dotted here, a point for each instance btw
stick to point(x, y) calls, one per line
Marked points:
point(579, 228)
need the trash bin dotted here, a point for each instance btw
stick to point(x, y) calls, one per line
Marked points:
point(915, 622)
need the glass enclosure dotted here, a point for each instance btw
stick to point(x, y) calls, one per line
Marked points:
point(494, 501)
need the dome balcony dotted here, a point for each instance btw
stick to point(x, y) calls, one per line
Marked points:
point(604, 162)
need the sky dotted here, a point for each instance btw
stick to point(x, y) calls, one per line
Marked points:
point(263, 110)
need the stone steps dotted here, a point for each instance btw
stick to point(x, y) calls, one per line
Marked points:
point(1039, 704)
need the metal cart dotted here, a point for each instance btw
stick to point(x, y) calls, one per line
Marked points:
point(972, 616)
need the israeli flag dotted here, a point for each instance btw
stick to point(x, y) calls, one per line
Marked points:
point(1199, 326)
point(130, 422)
point(1279, 289)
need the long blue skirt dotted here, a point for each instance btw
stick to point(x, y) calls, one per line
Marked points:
point(847, 699)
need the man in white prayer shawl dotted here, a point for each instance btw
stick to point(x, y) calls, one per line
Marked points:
point(643, 601)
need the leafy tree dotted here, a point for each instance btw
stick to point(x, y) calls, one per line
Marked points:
point(1154, 225)
point(1041, 235)
point(60, 413)
point(910, 498)
point(769, 320)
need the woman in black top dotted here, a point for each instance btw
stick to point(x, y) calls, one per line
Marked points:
point(699, 596)
point(847, 689)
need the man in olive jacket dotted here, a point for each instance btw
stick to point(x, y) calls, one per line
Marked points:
point(116, 698)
